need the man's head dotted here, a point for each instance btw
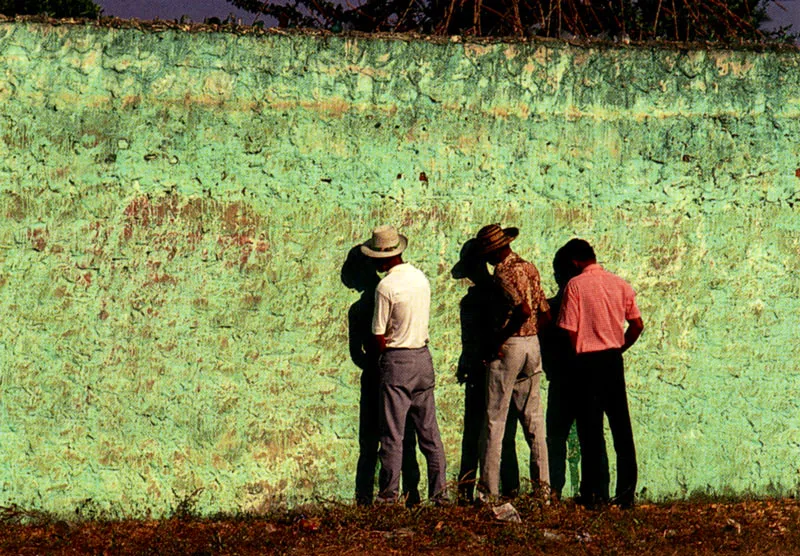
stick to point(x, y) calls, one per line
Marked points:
point(564, 268)
point(580, 252)
point(493, 242)
point(384, 265)
point(385, 247)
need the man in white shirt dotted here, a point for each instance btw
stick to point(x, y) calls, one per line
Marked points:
point(400, 333)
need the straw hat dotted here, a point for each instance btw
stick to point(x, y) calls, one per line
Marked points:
point(493, 237)
point(384, 243)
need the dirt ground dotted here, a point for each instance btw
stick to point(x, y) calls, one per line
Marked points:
point(740, 527)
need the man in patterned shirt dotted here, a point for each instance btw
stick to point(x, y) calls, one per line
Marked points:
point(597, 305)
point(515, 369)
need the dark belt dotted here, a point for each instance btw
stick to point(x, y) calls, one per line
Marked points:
point(403, 349)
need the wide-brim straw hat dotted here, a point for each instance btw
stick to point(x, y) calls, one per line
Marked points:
point(493, 237)
point(384, 243)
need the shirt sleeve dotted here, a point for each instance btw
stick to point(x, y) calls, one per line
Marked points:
point(509, 289)
point(380, 318)
point(568, 314)
point(540, 303)
point(631, 310)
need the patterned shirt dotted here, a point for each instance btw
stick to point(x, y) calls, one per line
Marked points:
point(596, 305)
point(520, 282)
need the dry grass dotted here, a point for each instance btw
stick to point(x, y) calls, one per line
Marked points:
point(742, 527)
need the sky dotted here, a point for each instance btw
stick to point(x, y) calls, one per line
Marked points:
point(782, 12)
point(196, 10)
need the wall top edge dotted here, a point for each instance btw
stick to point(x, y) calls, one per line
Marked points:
point(158, 26)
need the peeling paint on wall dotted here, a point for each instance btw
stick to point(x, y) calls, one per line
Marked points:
point(176, 208)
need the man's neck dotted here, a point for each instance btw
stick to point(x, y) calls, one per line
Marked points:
point(501, 256)
point(393, 262)
point(583, 265)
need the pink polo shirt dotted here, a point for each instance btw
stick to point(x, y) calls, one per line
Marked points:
point(596, 305)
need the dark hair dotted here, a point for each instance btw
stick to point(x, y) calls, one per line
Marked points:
point(580, 250)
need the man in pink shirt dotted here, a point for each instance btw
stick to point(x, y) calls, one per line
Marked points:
point(597, 304)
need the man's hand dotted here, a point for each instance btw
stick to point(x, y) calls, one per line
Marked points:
point(378, 343)
point(519, 314)
point(496, 353)
point(493, 354)
point(635, 327)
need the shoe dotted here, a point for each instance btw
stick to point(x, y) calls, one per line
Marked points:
point(622, 502)
point(363, 499)
point(590, 502)
point(510, 493)
point(412, 498)
point(484, 500)
point(465, 499)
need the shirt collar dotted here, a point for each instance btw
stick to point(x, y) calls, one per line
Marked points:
point(395, 267)
point(508, 260)
point(594, 267)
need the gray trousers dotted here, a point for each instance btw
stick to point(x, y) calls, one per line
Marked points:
point(514, 378)
point(406, 389)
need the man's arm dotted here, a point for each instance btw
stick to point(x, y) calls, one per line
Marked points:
point(573, 338)
point(635, 327)
point(567, 316)
point(379, 319)
point(519, 314)
point(545, 319)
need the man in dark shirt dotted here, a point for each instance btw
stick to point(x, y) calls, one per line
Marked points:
point(479, 312)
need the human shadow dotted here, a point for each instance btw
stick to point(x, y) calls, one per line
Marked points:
point(479, 320)
point(358, 273)
point(558, 360)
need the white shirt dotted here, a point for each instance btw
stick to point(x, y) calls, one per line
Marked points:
point(402, 307)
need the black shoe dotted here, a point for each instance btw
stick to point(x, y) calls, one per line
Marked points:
point(590, 502)
point(622, 502)
point(510, 494)
point(412, 498)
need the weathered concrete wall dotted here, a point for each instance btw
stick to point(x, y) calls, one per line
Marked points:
point(176, 208)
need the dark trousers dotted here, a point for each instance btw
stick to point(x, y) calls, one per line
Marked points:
point(601, 380)
point(474, 421)
point(406, 391)
point(369, 443)
point(562, 412)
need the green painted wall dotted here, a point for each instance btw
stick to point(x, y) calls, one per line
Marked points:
point(176, 207)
